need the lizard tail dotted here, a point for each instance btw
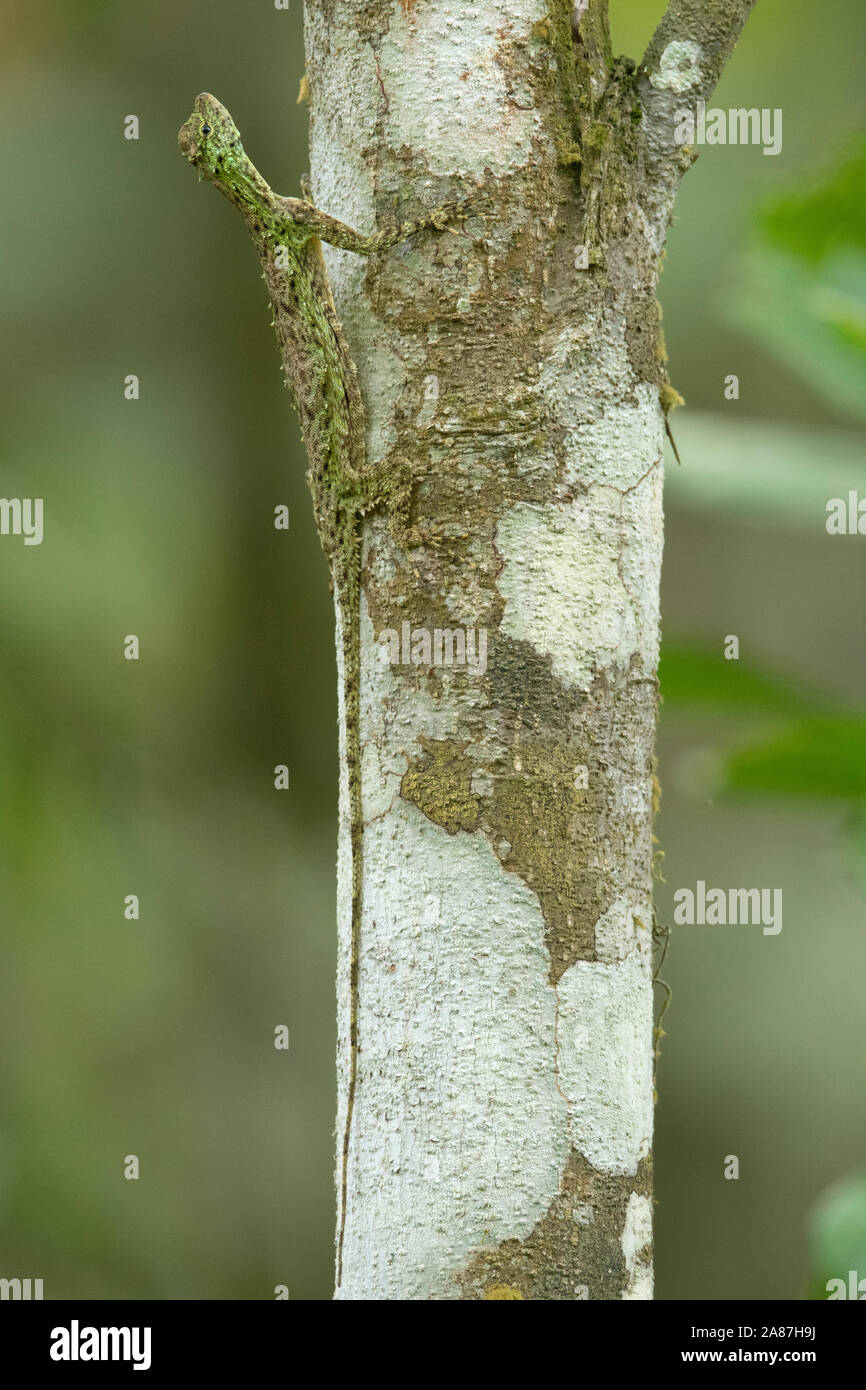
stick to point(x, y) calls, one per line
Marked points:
point(351, 669)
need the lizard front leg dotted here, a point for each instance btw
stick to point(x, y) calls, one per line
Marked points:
point(304, 213)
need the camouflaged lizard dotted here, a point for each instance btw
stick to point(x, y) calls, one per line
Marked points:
point(324, 383)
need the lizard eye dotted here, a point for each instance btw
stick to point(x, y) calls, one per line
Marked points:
point(205, 130)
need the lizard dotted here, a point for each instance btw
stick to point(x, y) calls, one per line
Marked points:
point(323, 380)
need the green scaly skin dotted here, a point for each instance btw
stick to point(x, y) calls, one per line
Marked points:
point(324, 383)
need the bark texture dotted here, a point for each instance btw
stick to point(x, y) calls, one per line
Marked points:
point(501, 1136)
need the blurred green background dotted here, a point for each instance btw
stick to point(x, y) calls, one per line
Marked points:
point(156, 1037)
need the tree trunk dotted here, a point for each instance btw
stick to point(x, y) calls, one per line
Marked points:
point(500, 1140)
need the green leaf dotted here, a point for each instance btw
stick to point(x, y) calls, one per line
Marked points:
point(804, 283)
point(823, 756)
point(690, 676)
point(828, 214)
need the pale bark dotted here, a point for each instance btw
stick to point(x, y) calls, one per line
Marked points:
point(502, 1124)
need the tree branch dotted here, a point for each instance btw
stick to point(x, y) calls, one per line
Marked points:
point(714, 25)
point(681, 66)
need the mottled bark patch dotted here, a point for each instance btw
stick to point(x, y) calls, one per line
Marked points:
point(439, 784)
point(575, 1251)
point(566, 806)
point(574, 810)
point(644, 337)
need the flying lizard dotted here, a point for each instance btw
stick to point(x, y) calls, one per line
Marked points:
point(323, 380)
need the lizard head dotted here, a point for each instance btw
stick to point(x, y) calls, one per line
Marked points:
point(208, 136)
point(210, 140)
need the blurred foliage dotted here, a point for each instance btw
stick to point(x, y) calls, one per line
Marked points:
point(823, 756)
point(804, 288)
point(764, 772)
point(837, 1235)
point(810, 254)
point(820, 755)
point(689, 676)
point(155, 777)
point(763, 472)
